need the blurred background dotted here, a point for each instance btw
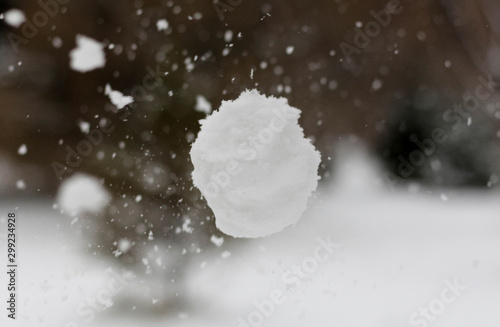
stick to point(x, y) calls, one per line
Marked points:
point(400, 97)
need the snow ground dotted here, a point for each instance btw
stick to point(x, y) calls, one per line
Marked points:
point(395, 252)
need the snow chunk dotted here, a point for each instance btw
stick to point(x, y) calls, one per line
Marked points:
point(203, 105)
point(88, 54)
point(82, 193)
point(15, 18)
point(162, 24)
point(117, 98)
point(218, 241)
point(254, 165)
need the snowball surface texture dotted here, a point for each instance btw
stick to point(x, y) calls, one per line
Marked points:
point(254, 166)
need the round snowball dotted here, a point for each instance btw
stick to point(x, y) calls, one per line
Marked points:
point(254, 166)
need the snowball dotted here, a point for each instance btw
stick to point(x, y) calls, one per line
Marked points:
point(203, 105)
point(15, 17)
point(88, 55)
point(82, 193)
point(254, 166)
point(117, 98)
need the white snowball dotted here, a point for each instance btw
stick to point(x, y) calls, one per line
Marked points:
point(254, 166)
point(88, 54)
point(82, 193)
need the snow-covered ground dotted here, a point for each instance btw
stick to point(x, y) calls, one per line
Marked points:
point(393, 254)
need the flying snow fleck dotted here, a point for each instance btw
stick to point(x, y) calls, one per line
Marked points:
point(124, 245)
point(254, 166)
point(228, 36)
point(82, 193)
point(84, 127)
point(20, 184)
point(162, 25)
point(218, 241)
point(203, 105)
point(23, 149)
point(15, 18)
point(88, 54)
point(117, 98)
point(376, 84)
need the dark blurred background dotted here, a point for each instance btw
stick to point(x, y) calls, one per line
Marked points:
point(391, 94)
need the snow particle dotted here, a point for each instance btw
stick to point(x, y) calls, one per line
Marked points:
point(124, 245)
point(117, 98)
point(84, 127)
point(376, 84)
point(20, 184)
point(333, 84)
point(15, 18)
point(57, 42)
point(421, 36)
point(218, 241)
point(202, 104)
point(23, 149)
point(88, 55)
point(162, 25)
point(228, 36)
